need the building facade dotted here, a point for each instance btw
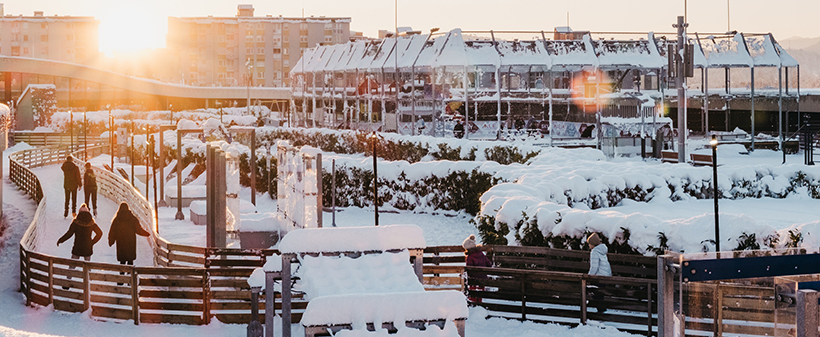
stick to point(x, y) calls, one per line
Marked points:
point(72, 39)
point(227, 51)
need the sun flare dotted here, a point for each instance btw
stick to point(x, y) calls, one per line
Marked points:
point(129, 29)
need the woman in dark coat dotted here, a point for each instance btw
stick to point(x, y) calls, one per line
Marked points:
point(124, 229)
point(81, 228)
point(90, 187)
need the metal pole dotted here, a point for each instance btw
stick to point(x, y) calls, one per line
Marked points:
point(132, 153)
point(753, 109)
point(333, 192)
point(85, 136)
point(179, 215)
point(154, 170)
point(111, 136)
point(780, 134)
point(680, 81)
point(716, 192)
point(375, 184)
point(148, 153)
point(253, 167)
point(71, 131)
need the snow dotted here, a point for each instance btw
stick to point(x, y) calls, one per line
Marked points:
point(353, 239)
point(257, 278)
point(359, 309)
point(369, 273)
point(4, 110)
point(264, 222)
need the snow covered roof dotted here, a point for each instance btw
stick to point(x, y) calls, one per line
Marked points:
point(429, 53)
point(356, 54)
point(762, 51)
point(384, 54)
point(641, 53)
point(305, 59)
point(412, 51)
point(409, 306)
point(725, 52)
point(524, 53)
point(786, 60)
point(368, 55)
point(320, 56)
point(353, 239)
point(569, 53)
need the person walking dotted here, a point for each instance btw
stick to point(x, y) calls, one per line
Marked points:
point(82, 226)
point(124, 229)
point(90, 187)
point(475, 258)
point(598, 265)
point(71, 183)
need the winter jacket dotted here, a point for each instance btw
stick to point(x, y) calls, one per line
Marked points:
point(81, 228)
point(89, 180)
point(476, 258)
point(598, 262)
point(124, 229)
point(71, 175)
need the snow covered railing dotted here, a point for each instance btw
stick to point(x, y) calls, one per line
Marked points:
point(359, 278)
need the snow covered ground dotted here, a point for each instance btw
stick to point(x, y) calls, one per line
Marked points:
point(18, 320)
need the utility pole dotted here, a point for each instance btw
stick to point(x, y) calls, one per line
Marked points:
point(680, 82)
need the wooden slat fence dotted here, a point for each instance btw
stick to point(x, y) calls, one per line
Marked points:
point(45, 139)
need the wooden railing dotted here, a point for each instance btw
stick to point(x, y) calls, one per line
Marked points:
point(45, 139)
point(189, 295)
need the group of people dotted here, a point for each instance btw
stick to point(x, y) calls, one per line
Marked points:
point(72, 181)
point(598, 265)
point(124, 226)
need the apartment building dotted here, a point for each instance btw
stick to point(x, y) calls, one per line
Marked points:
point(227, 51)
point(63, 38)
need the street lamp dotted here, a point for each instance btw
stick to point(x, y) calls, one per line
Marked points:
point(85, 137)
point(132, 153)
point(716, 192)
point(71, 130)
point(373, 139)
point(111, 135)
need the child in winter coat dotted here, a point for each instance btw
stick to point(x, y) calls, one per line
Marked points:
point(598, 265)
point(475, 258)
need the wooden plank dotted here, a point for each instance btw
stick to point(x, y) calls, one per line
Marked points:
point(190, 283)
point(110, 267)
point(443, 269)
point(110, 312)
point(148, 305)
point(198, 260)
point(169, 271)
point(39, 299)
point(235, 272)
point(232, 294)
point(144, 293)
point(188, 249)
point(111, 289)
point(444, 259)
point(443, 249)
point(111, 277)
point(125, 301)
point(68, 306)
point(439, 280)
point(68, 272)
point(38, 287)
point(230, 283)
point(235, 263)
point(68, 294)
point(170, 318)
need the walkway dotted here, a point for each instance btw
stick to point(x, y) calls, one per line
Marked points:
point(52, 179)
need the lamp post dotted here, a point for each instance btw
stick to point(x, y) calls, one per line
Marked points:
point(373, 139)
point(219, 105)
point(85, 137)
point(180, 133)
point(249, 65)
point(132, 153)
point(71, 130)
point(148, 152)
point(171, 110)
point(111, 135)
point(716, 192)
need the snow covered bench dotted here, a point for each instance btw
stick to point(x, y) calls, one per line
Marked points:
point(361, 279)
point(701, 159)
point(669, 157)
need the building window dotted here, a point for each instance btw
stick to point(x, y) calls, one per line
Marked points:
point(44, 51)
point(15, 51)
point(260, 39)
point(25, 50)
point(44, 26)
point(222, 38)
point(248, 51)
point(260, 51)
point(70, 37)
point(25, 38)
point(43, 38)
point(221, 63)
point(260, 75)
point(277, 50)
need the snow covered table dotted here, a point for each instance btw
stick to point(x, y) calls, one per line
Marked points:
point(360, 278)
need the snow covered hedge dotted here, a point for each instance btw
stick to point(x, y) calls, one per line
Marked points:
point(398, 147)
point(551, 201)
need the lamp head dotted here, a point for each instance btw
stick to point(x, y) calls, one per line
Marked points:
point(714, 141)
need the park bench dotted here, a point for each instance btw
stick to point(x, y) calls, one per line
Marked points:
point(701, 159)
point(669, 157)
point(368, 278)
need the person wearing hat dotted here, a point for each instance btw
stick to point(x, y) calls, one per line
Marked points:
point(475, 258)
point(81, 228)
point(90, 187)
point(72, 181)
point(598, 265)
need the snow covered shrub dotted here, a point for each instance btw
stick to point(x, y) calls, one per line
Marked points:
point(506, 155)
point(488, 231)
point(43, 103)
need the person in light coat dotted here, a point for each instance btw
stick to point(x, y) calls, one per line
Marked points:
point(598, 265)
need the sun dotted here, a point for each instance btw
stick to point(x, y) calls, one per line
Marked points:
point(129, 29)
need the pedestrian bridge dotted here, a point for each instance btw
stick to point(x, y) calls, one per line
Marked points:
point(133, 86)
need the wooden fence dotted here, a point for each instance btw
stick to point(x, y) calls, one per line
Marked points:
point(46, 139)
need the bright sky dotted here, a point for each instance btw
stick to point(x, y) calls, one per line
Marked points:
point(128, 25)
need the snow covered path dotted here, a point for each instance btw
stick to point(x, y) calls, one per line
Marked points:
point(51, 178)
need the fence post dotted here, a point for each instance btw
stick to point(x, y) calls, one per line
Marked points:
point(286, 258)
point(135, 295)
point(86, 288)
point(583, 301)
point(524, 297)
point(270, 301)
point(649, 309)
point(206, 297)
point(666, 297)
point(718, 309)
point(50, 281)
point(807, 313)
